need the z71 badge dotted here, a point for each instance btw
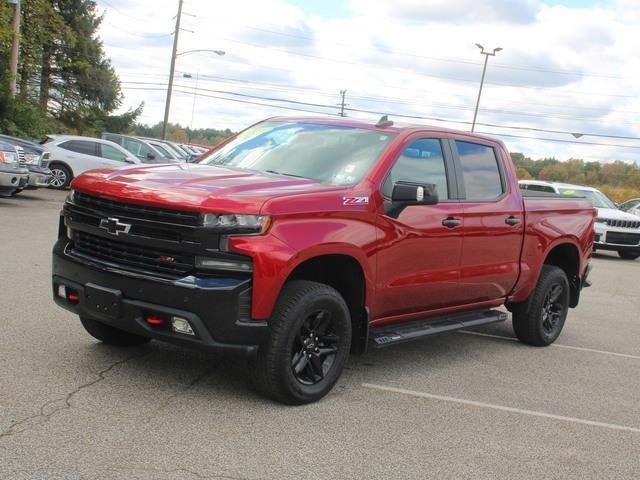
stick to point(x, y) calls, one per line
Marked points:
point(355, 200)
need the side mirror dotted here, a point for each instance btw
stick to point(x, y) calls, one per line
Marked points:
point(406, 193)
point(128, 160)
point(151, 156)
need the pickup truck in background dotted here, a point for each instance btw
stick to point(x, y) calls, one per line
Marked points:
point(300, 240)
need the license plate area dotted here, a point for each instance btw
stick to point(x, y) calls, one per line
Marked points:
point(102, 301)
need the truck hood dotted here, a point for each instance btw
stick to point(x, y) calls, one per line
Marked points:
point(202, 188)
point(615, 214)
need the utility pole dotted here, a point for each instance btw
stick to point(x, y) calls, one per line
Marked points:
point(484, 69)
point(342, 104)
point(15, 50)
point(172, 71)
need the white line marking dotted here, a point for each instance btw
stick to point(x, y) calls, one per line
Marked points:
point(473, 403)
point(557, 345)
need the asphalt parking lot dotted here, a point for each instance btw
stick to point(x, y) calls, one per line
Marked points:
point(464, 405)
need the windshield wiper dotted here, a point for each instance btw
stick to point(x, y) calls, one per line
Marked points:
point(287, 174)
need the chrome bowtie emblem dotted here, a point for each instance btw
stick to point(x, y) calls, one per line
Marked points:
point(114, 227)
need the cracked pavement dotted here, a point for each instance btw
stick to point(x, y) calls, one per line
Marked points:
point(72, 408)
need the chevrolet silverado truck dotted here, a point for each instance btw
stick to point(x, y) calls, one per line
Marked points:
point(300, 240)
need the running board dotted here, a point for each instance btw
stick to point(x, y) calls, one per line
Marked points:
point(403, 332)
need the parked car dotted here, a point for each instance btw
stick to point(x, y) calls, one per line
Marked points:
point(615, 229)
point(141, 149)
point(300, 240)
point(13, 177)
point(631, 206)
point(34, 158)
point(73, 155)
point(169, 153)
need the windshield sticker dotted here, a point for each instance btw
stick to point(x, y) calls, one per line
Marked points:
point(355, 200)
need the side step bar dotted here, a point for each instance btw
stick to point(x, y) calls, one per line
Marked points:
point(403, 332)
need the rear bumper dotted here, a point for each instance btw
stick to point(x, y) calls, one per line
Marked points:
point(216, 308)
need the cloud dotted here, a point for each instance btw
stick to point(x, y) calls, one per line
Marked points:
point(447, 11)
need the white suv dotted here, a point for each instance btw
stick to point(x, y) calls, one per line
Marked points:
point(72, 155)
point(615, 229)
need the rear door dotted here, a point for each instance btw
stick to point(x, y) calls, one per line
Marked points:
point(419, 260)
point(493, 223)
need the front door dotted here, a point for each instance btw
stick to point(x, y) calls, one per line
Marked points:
point(419, 262)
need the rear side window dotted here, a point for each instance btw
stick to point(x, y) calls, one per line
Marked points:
point(480, 171)
point(541, 188)
point(421, 161)
point(80, 146)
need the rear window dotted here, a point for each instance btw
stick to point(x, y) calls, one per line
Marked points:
point(480, 171)
point(79, 146)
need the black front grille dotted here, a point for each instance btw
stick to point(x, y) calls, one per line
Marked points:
point(623, 223)
point(112, 207)
point(132, 256)
point(621, 238)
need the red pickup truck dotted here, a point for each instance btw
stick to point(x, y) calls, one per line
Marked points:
point(300, 240)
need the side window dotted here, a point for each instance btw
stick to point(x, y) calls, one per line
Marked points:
point(111, 153)
point(80, 146)
point(421, 161)
point(480, 171)
point(137, 148)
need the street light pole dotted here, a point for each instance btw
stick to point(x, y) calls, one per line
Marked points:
point(171, 75)
point(171, 71)
point(484, 70)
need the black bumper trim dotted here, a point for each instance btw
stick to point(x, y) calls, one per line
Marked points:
point(212, 312)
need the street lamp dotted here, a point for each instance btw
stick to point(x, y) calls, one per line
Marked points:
point(167, 105)
point(193, 106)
point(484, 69)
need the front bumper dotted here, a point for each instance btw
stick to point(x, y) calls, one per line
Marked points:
point(13, 180)
point(616, 238)
point(216, 308)
point(39, 177)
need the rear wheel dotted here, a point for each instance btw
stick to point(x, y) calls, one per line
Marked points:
point(60, 176)
point(628, 255)
point(542, 323)
point(308, 344)
point(111, 335)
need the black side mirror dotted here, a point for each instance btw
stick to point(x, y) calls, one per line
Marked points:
point(406, 193)
point(151, 156)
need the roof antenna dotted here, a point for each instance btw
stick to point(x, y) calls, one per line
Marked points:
point(384, 122)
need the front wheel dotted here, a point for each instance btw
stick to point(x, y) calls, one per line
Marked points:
point(308, 344)
point(60, 177)
point(542, 323)
point(628, 255)
point(111, 335)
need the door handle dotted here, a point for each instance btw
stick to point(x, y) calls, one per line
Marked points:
point(451, 222)
point(512, 220)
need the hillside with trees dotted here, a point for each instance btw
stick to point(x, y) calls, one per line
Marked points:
point(618, 180)
point(65, 83)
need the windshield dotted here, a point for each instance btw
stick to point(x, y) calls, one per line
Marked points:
point(326, 153)
point(598, 199)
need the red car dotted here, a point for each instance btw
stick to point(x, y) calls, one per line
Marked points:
point(298, 241)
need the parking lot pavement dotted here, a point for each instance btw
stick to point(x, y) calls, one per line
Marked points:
point(466, 405)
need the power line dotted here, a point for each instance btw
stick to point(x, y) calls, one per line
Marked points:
point(417, 117)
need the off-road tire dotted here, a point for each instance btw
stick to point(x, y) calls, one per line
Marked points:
point(111, 335)
point(273, 372)
point(541, 324)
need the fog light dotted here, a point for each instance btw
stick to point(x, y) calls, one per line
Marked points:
point(181, 325)
point(62, 291)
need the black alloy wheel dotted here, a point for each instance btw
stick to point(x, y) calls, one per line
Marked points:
point(314, 348)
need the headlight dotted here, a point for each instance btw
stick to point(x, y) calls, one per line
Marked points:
point(237, 223)
point(8, 157)
point(600, 220)
point(31, 158)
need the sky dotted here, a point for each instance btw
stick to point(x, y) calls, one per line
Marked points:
point(565, 84)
